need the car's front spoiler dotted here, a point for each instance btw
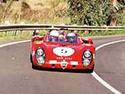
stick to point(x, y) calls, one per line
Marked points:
point(65, 67)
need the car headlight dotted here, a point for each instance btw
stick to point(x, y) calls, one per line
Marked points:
point(87, 57)
point(39, 52)
point(87, 54)
point(40, 56)
point(86, 62)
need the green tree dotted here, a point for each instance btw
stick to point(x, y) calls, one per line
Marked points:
point(90, 12)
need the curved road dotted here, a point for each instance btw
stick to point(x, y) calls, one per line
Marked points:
point(17, 76)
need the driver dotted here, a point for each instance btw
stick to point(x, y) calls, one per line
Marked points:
point(71, 38)
point(53, 36)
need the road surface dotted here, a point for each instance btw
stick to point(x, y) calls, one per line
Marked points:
point(18, 77)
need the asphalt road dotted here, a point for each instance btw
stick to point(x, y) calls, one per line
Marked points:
point(18, 77)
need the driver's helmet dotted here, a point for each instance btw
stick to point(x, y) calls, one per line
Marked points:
point(71, 37)
point(61, 38)
point(62, 32)
point(54, 35)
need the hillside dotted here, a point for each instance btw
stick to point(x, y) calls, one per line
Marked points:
point(40, 11)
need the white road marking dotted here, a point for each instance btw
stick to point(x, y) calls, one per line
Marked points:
point(94, 74)
point(12, 43)
point(98, 78)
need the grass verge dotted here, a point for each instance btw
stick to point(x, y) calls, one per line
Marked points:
point(25, 35)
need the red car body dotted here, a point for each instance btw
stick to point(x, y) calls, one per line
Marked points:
point(65, 56)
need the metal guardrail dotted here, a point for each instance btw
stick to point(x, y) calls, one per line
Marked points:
point(14, 27)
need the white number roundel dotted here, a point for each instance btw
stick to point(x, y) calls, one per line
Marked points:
point(63, 51)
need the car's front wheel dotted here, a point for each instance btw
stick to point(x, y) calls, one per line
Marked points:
point(33, 66)
point(31, 58)
point(90, 70)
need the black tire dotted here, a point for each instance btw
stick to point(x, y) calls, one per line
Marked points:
point(34, 67)
point(31, 59)
point(90, 70)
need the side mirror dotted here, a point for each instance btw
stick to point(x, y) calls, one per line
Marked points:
point(37, 38)
point(90, 41)
point(87, 41)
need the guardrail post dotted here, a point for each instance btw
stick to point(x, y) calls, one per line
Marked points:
point(5, 33)
point(15, 33)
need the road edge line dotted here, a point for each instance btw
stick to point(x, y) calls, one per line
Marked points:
point(98, 78)
point(12, 43)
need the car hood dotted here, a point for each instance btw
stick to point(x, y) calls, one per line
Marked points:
point(59, 51)
point(63, 51)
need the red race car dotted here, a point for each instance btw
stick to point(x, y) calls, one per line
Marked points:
point(61, 50)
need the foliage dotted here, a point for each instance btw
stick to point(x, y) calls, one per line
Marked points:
point(90, 12)
point(122, 2)
point(5, 10)
point(121, 18)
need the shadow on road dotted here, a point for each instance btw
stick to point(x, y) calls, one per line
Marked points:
point(65, 71)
